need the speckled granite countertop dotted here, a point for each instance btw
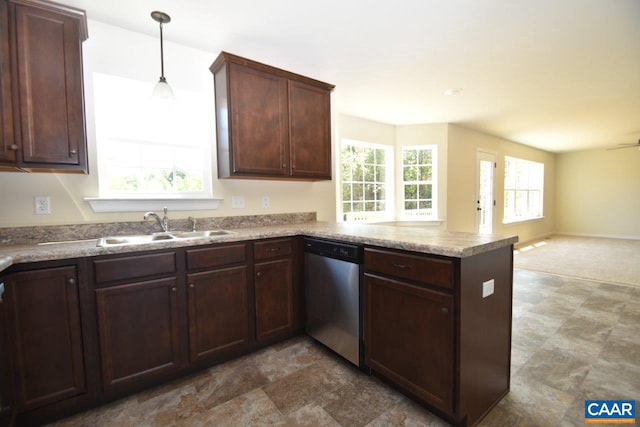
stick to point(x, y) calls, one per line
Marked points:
point(417, 239)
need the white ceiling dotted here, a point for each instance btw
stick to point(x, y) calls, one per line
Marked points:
point(560, 75)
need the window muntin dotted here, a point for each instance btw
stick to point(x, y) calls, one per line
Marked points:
point(418, 182)
point(365, 180)
point(523, 189)
point(149, 147)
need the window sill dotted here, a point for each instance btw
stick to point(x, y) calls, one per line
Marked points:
point(136, 205)
point(517, 221)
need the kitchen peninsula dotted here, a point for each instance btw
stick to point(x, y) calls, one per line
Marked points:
point(437, 304)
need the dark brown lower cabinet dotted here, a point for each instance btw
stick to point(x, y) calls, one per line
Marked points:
point(430, 330)
point(44, 336)
point(274, 299)
point(138, 332)
point(218, 309)
point(410, 338)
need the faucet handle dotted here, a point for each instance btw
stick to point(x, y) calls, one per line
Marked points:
point(165, 211)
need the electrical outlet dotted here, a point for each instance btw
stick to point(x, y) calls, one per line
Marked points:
point(42, 205)
point(265, 201)
point(487, 288)
point(237, 202)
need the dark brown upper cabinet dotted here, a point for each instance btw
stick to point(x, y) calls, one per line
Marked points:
point(271, 123)
point(42, 108)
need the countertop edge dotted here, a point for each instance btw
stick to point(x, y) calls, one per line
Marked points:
point(458, 245)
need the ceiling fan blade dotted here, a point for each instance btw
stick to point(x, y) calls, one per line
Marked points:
point(637, 144)
point(624, 146)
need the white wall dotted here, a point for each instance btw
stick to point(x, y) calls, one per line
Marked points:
point(598, 193)
point(112, 50)
point(461, 183)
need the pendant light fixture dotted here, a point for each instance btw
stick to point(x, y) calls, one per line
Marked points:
point(162, 88)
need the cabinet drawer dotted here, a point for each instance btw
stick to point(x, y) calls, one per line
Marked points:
point(216, 256)
point(272, 249)
point(424, 269)
point(134, 267)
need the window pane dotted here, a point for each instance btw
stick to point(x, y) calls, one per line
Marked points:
point(410, 192)
point(369, 192)
point(410, 173)
point(424, 191)
point(410, 157)
point(425, 157)
point(358, 192)
point(425, 173)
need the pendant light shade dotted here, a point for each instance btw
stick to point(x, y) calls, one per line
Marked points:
point(162, 88)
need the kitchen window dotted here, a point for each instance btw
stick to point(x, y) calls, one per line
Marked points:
point(366, 181)
point(150, 147)
point(523, 185)
point(418, 182)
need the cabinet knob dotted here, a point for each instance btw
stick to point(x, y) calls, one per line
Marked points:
point(284, 165)
point(445, 311)
point(258, 274)
point(14, 147)
point(191, 285)
point(174, 289)
point(73, 151)
point(71, 281)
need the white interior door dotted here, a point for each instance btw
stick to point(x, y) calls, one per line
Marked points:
point(485, 202)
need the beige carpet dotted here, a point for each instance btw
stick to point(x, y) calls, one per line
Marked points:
point(599, 259)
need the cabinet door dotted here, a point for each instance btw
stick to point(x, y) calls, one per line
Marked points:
point(274, 299)
point(218, 312)
point(45, 336)
point(259, 132)
point(49, 74)
point(7, 144)
point(139, 331)
point(410, 338)
point(310, 128)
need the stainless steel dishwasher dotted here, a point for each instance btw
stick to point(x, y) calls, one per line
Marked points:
point(332, 294)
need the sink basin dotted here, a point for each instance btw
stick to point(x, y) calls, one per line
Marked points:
point(134, 240)
point(198, 234)
point(160, 237)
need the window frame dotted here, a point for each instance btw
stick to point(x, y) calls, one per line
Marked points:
point(519, 183)
point(370, 215)
point(418, 216)
point(105, 136)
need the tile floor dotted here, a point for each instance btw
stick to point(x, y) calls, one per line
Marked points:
point(572, 340)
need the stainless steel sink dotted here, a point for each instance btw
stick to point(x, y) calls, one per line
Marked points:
point(159, 237)
point(198, 234)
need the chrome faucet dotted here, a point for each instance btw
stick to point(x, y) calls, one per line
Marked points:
point(193, 223)
point(163, 223)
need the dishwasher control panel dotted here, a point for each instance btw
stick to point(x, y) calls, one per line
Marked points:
point(338, 250)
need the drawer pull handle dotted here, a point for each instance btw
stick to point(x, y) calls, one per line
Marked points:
point(276, 249)
point(191, 285)
point(401, 266)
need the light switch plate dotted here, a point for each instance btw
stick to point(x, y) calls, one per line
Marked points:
point(265, 201)
point(237, 202)
point(42, 205)
point(487, 288)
